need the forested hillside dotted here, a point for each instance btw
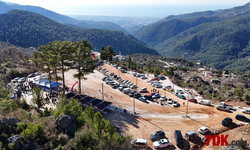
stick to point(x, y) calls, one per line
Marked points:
point(223, 45)
point(28, 29)
point(218, 38)
point(4, 8)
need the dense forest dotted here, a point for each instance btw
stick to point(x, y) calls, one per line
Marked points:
point(27, 29)
point(219, 39)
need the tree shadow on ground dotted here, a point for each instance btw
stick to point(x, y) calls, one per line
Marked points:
point(121, 119)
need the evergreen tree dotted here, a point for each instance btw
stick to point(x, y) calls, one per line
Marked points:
point(83, 59)
point(129, 61)
point(37, 98)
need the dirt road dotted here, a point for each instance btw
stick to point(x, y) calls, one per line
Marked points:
point(153, 117)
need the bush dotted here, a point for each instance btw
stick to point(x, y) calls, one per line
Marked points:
point(21, 127)
point(56, 114)
point(24, 104)
point(32, 132)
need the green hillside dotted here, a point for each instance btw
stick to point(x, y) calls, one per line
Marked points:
point(27, 29)
point(223, 45)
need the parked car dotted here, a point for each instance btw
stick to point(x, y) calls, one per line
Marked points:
point(180, 91)
point(190, 135)
point(140, 143)
point(157, 136)
point(143, 77)
point(142, 90)
point(148, 97)
point(162, 143)
point(123, 71)
point(15, 79)
point(203, 130)
point(31, 75)
point(181, 96)
point(226, 121)
point(242, 118)
point(175, 104)
point(246, 111)
point(192, 100)
point(115, 76)
point(165, 87)
point(21, 80)
point(158, 86)
point(175, 92)
point(133, 86)
point(154, 79)
point(37, 73)
point(186, 91)
point(223, 108)
point(131, 94)
point(170, 101)
point(163, 98)
point(151, 94)
point(126, 90)
point(170, 90)
point(143, 99)
point(122, 87)
point(178, 138)
point(157, 95)
point(137, 95)
point(205, 102)
point(104, 78)
point(161, 77)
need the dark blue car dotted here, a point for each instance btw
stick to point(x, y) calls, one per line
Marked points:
point(242, 118)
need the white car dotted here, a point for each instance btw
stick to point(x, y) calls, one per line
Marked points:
point(140, 143)
point(170, 101)
point(203, 130)
point(158, 85)
point(246, 111)
point(162, 143)
point(15, 79)
point(186, 90)
point(175, 103)
point(38, 73)
point(163, 98)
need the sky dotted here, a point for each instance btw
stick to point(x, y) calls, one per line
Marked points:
point(144, 8)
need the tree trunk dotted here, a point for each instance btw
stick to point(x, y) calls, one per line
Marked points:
point(50, 83)
point(63, 78)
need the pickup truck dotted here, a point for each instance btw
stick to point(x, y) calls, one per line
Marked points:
point(223, 108)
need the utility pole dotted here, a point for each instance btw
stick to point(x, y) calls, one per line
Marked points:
point(102, 93)
point(187, 105)
point(213, 95)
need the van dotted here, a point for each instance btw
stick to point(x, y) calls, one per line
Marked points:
point(126, 90)
point(204, 102)
point(190, 135)
point(178, 138)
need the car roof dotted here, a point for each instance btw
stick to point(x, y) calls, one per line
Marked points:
point(141, 141)
point(191, 133)
point(203, 128)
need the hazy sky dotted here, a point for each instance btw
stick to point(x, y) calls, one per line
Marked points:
point(157, 8)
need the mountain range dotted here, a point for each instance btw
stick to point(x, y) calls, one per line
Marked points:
point(87, 24)
point(220, 38)
point(28, 29)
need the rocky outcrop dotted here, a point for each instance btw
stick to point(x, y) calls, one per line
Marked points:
point(16, 139)
point(10, 121)
point(67, 124)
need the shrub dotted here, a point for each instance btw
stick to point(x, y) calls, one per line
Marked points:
point(21, 127)
point(24, 104)
point(32, 132)
point(56, 114)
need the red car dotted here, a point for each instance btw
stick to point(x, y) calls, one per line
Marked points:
point(151, 94)
point(154, 79)
point(193, 100)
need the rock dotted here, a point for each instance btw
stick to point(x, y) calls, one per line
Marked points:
point(63, 121)
point(67, 123)
point(10, 121)
point(16, 139)
point(228, 94)
point(3, 126)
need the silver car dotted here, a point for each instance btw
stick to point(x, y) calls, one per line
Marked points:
point(246, 111)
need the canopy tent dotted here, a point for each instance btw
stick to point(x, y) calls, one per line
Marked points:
point(45, 83)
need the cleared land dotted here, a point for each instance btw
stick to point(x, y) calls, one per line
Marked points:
point(153, 117)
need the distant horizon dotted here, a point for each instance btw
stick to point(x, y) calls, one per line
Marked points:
point(131, 8)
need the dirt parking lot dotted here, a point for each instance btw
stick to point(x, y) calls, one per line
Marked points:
point(152, 116)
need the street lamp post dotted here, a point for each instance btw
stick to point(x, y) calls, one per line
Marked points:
point(187, 105)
